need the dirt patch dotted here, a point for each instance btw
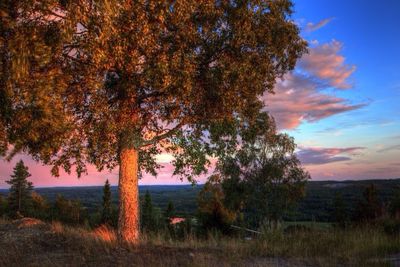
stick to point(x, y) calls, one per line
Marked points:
point(28, 222)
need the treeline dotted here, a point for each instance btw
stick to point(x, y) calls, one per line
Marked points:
point(221, 204)
point(369, 210)
point(23, 201)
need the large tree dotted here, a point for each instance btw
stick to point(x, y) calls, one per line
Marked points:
point(113, 83)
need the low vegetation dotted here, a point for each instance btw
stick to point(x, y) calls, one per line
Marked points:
point(30, 242)
point(65, 232)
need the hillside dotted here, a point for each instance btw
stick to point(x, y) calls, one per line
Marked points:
point(317, 204)
point(30, 242)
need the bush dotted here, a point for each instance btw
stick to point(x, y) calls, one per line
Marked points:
point(391, 226)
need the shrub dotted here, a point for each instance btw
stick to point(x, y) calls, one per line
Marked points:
point(391, 226)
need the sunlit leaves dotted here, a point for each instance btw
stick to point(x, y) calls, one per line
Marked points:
point(82, 79)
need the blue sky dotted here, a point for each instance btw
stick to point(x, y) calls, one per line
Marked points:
point(369, 33)
point(342, 103)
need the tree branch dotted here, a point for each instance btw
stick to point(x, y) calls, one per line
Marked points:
point(162, 136)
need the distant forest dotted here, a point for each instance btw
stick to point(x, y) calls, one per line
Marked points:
point(317, 205)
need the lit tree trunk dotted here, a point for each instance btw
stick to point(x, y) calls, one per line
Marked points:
point(128, 221)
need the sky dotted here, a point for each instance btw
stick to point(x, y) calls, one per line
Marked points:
point(341, 103)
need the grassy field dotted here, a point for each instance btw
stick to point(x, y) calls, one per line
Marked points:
point(29, 242)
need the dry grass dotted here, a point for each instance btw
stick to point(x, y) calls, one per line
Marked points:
point(39, 244)
point(105, 233)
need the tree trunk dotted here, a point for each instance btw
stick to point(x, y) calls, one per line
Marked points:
point(128, 221)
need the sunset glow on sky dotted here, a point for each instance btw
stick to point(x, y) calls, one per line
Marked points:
point(341, 103)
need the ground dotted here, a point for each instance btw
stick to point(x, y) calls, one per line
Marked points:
point(31, 242)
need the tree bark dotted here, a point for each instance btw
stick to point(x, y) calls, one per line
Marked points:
point(128, 221)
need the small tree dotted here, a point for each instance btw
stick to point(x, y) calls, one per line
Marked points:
point(370, 207)
point(68, 211)
point(40, 207)
point(168, 214)
point(147, 212)
point(339, 210)
point(106, 213)
point(263, 177)
point(213, 213)
point(170, 211)
point(394, 206)
point(19, 198)
point(3, 205)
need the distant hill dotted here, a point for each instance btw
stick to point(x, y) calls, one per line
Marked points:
point(317, 205)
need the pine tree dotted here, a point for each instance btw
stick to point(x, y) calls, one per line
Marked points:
point(106, 213)
point(370, 208)
point(147, 213)
point(19, 199)
point(170, 211)
point(3, 205)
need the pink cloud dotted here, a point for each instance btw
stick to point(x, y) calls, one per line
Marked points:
point(299, 99)
point(325, 63)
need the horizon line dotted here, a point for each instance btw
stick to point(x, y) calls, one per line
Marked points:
point(115, 185)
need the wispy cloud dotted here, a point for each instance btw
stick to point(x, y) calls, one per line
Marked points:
point(377, 122)
point(310, 27)
point(389, 148)
point(318, 155)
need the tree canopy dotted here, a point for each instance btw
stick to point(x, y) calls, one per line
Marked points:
point(263, 177)
point(115, 82)
point(79, 79)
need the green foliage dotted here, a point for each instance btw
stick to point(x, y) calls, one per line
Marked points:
point(68, 211)
point(394, 207)
point(170, 210)
point(339, 210)
point(370, 207)
point(40, 208)
point(19, 197)
point(3, 205)
point(316, 205)
point(106, 212)
point(391, 226)
point(148, 217)
point(82, 79)
point(212, 212)
point(263, 178)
